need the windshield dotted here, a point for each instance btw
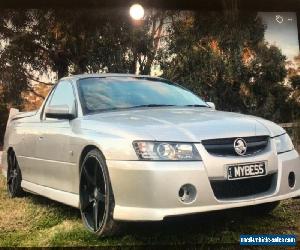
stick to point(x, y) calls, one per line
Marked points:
point(112, 93)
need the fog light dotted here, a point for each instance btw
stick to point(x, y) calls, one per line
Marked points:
point(187, 193)
point(291, 179)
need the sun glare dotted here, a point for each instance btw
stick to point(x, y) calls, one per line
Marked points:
point(137, 12)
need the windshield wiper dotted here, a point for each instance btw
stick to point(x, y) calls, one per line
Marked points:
point(152, 105)
point(196, 105)
point(133, 107)
point(146, 106)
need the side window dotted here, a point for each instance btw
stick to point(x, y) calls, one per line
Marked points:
point(63, 95)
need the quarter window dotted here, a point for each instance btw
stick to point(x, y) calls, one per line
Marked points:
point(63, 95)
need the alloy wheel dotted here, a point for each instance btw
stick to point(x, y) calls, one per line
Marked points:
point(93, 194)
point(13, 176)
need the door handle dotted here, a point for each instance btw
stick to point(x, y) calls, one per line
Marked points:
point(41, 138)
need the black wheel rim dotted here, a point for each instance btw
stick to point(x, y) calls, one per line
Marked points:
point(92, 194)
point(12, 177)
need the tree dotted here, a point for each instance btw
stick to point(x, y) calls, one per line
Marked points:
point(44, 44)
point(223, 57)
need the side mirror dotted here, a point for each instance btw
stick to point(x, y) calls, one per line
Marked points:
point(59, 112)
point(211, 104)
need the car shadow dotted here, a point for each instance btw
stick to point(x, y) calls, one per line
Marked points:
point(65, 210)
point(208, 223)
point(216, 222)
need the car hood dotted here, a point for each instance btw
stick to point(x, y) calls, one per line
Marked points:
point(179, 124)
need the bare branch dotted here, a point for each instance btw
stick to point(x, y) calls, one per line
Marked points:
point(39, 81)
point(31, 89)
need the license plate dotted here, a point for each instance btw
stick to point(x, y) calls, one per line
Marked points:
point(246, 170)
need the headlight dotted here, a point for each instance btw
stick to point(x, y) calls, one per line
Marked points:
point(283, 143)
point(166, 151)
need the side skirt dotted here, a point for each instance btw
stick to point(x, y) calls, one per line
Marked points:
point(53, 194)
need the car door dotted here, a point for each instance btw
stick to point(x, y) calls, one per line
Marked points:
point(54, 150)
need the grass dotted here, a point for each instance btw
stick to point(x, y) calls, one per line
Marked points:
point(37, 221)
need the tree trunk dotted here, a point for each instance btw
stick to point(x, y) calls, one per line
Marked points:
point(62, 71)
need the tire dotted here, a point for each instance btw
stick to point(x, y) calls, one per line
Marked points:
point(263, 209)
point(96, 196)
point(14, 177)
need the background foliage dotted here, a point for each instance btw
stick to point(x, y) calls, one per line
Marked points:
point(221, 56)
point(224, 58)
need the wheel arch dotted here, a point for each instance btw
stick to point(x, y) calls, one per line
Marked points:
point(85, 151)
point(10, 149)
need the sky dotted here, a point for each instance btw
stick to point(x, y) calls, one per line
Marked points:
point(282, 31)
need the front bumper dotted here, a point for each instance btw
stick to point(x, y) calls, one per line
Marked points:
point(148, 191)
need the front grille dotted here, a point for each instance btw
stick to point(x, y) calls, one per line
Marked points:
point(226, 189)
point(224, 146)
